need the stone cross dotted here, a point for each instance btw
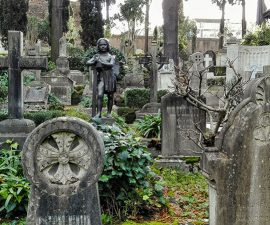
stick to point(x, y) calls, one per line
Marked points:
point(63, 159)
point(15, 63)
point(207, 60)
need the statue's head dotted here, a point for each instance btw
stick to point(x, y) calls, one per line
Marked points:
point(103, 45)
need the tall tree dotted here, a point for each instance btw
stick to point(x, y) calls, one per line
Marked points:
point(221, 4)
point(131, 11)
point(91, 22)
point(108, 3)
point(244, 22)
point(147, 4)
point(170, 28)
point(13, 16)
point(58, 17)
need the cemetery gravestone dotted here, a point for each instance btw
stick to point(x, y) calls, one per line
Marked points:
point(166, 75)
point(63, 159)
point(179, 120)
point(16, 127)
point(61, 84)
point(197, 60)
point(36, 96)
point(238, 168)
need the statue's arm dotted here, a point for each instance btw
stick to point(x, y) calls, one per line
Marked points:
point(109, 63)
point(92, 61)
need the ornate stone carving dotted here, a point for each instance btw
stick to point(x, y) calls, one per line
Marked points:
point(63, 158)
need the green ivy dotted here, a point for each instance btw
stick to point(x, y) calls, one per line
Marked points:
point(14, 188)
point(127, 184)
point(3, 85)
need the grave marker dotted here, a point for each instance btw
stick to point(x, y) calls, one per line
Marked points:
point(16, 126)
point(238, 167)
point(63, 159)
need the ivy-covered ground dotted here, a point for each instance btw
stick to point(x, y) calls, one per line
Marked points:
point(132, 188)
point(187, 200)
point(186, 197)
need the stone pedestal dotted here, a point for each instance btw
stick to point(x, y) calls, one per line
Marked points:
point(63, 159)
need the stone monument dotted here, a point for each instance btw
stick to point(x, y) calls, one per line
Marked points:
point(180, 137)
point(61, 84)
point(238, 167)
point(63, 159)
point(196, 75)
point(16, 127)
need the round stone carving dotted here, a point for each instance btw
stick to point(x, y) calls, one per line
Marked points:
point(62, 155)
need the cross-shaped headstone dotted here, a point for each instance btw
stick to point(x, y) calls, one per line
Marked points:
point(153, 60)
point(15, 62)
point(207, 60)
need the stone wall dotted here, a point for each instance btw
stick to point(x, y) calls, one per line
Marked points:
point(249, 60)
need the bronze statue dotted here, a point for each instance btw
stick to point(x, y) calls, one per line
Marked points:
point(103, 62)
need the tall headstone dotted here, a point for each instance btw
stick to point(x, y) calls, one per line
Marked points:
point(179, 132)
point(63, 159)
point(16, 126)
point(166, 76)
point(195, 77)
point(238, 168)
point(59, 79)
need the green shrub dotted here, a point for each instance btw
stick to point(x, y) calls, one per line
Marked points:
point(77, 113)
point(14, 188)
point(3, 115)
point(77, 94)
point(86, 101)
point(55, 103)
point(127, 113)
point(28, 78)
point(127, 184)
point(75, 58)
point(42, 116)
point(3, 85)
point(261, 36)
point(51, 66)
point(149, 126)
point(136, 97)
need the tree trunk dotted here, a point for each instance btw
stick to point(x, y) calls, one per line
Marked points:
point(244, 22)
point(146, 27)
point(170, 28)
point(222, 24)
point(107, 11)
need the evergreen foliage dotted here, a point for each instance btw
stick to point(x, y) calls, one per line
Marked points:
point(13, 16)
point(91, 22)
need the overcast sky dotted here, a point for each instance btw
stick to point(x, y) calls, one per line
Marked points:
point(198, 9)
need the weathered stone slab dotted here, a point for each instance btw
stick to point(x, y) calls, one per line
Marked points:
point(36, 95)
point(179, 121)
point(238, 168)
point(63, 159)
